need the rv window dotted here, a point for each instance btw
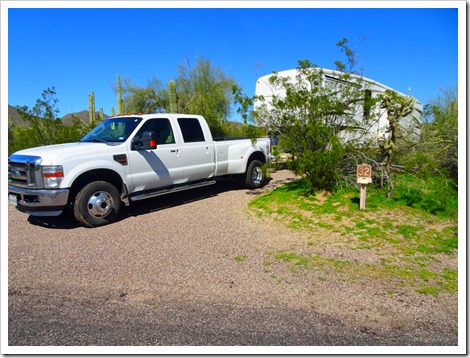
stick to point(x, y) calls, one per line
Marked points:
point(367, 103)
point(338, 80)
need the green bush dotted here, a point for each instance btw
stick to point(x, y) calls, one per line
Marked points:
point(316, 153)
point(433, 194)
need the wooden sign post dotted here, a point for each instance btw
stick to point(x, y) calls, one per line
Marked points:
point(364, 177)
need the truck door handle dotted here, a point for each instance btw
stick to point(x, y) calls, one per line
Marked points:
point(173, 150)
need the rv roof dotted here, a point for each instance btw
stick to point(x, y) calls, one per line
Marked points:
point(327, 72)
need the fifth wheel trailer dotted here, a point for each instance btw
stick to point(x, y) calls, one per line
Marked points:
point(372, 89)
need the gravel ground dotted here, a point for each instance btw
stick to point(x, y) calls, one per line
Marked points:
point(189, 270)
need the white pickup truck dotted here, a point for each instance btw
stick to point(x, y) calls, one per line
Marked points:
point(126, 159)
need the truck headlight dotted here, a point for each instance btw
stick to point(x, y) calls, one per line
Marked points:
point(52, 176)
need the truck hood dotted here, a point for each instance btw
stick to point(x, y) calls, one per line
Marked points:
point(55, 154)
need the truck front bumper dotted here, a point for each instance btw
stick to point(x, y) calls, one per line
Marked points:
point(38, 202)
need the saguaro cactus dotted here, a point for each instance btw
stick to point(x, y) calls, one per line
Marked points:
point(91, 108)
point(120, 104)
point(172, 96)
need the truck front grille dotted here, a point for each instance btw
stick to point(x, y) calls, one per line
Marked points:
point(25, 171)
point(18, 174)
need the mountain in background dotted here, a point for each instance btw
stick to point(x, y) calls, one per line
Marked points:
point(83, 116)
point(15, 117)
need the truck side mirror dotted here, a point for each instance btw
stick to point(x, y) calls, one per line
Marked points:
point(149, 141)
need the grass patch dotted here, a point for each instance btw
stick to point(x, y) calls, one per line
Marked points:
point(422, 279)
point(403, 235)
point(240, 258)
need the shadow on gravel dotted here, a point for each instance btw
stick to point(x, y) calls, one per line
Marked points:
point(171, 200)
point(63, 221)
point(67, 221)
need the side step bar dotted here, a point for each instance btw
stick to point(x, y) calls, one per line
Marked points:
point(170, 190)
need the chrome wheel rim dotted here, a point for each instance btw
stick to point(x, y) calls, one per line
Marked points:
point(257, 175)
point(100, 204)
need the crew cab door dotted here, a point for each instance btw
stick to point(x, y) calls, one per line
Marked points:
point(197, 149)
point(159, 167)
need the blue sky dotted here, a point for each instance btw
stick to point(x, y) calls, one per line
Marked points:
point(81, 50)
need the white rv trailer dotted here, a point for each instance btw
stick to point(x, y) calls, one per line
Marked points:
point(372, 89)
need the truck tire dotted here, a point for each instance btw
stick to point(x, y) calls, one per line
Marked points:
point(254, 176)
point(97, 204)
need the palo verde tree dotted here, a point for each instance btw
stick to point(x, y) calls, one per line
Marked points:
point(204, 89)
point(201, 89)
point(153, 98)
point(316, 117)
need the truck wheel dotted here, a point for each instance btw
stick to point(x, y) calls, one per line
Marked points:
point(254, 177)
point(97, 204)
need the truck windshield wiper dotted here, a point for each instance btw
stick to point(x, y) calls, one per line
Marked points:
point(97, 140)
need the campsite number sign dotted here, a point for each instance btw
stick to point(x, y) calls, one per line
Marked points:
point(364, 176)
point(364, 171)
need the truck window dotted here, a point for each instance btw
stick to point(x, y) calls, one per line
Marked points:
point(191, 129)
point(113, 130)
point(162, 129)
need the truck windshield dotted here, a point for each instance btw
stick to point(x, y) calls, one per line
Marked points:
point(112, 130)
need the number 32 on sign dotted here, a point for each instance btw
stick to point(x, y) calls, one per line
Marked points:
point(364, 176)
